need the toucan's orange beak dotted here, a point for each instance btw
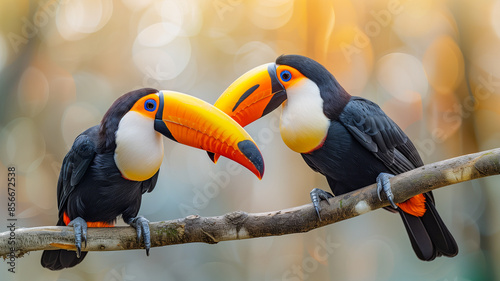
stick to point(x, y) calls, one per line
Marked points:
point(191, 121)
point(251, 96)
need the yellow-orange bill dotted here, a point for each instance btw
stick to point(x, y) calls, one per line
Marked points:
point(251, 96)
point(191, 121)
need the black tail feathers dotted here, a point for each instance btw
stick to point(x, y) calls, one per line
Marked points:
point(60, 259)
point(429, 236)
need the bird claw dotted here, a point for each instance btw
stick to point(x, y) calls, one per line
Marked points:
point(316, 196)
point(383, 184)
point(141, 225)
point(80, 227)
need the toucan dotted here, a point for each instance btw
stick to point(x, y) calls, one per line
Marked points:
point(348, 139)
point(111, 165)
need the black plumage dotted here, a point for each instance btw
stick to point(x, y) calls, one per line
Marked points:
point(349, 140)
point(90, 185)
point(111, 165)
point(362, 142)
point(359, 147)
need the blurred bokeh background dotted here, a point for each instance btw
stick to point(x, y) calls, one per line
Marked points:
point(433, 66)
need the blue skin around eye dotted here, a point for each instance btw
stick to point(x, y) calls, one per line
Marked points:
point(148, 102)
point(282, 74)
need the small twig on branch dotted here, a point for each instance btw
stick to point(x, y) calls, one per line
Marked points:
point(241, 225)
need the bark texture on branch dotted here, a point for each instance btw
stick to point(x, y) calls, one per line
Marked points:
point(242, 225)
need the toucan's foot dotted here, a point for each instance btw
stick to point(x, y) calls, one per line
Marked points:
point(384, 184)
point(141, 225)
point(80, 227)
point(318, 195)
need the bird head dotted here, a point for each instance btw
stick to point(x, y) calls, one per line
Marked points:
point(134, 125)
point(292, 78)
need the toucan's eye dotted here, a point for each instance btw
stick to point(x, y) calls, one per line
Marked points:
point(285, 75)
point(150, 105)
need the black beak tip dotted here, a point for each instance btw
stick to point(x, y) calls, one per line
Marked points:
point(211, 155)
point(250, 150)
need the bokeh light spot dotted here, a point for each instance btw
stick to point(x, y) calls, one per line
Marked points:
point(37, 184)
point(77, 118)
point(33, 91)
point(402, 76)
point(78, 18)
point(253, 54)
point(444, 64)
point(163, 63)
point(446, 116)
point(271, 14)
point(24, 144)
point(158, 34)
point(404, 113)
point(350, 58)
point(185, 14)
point(485, 56)
point(135, 5)
point(495, 17)
point(423, 20)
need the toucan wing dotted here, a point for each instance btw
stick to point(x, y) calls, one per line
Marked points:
point(75, 165)
point(375, 131)
point(371, 127)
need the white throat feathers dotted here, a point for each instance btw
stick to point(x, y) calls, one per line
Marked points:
point(303, 124)
point(139, 148)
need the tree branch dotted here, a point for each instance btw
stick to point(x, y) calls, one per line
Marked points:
point(241, 225)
